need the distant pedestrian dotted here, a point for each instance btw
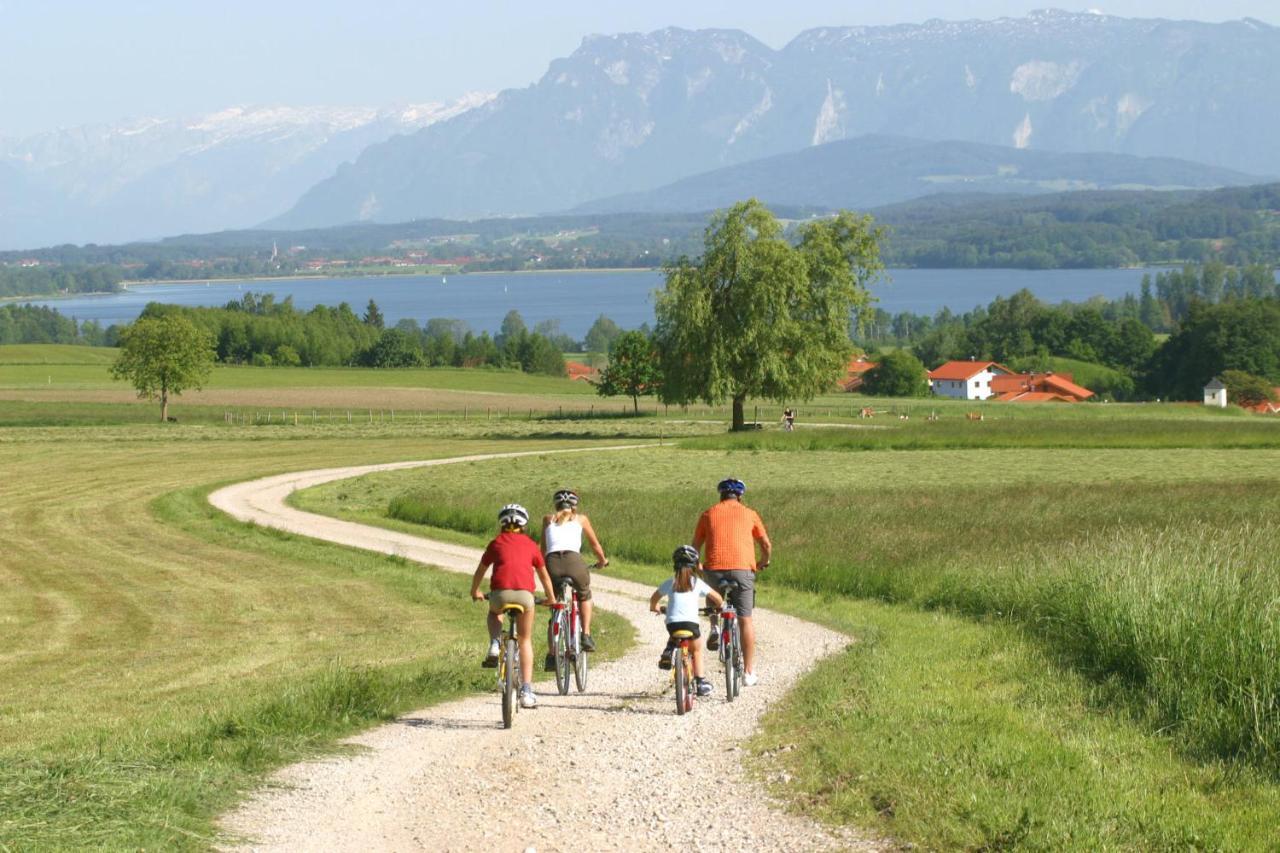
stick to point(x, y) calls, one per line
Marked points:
point(789, 419)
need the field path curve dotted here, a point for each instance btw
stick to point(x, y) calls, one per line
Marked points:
point(610, 769)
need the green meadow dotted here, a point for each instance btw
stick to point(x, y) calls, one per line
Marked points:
point(1057, 646)
point(1062, 618)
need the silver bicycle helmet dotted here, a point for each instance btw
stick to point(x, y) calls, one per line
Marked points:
point(514, 514)
point(686, 556)
point(565, 499)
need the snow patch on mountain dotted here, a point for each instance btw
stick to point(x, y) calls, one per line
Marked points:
point(829, 125)
point(757, 112)
point(1039, 80)
point(1022, 133)
point(1129, 109)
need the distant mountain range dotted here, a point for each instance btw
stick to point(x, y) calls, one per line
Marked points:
point(628, 113)
point(876, 170)
point(152, 177)
point(678, 119)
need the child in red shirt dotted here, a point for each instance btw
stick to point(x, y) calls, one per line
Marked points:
point(515, 559)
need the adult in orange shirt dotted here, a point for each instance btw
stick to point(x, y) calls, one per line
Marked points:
point(727, 534)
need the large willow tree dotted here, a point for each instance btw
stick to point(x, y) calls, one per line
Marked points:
point(756, 316)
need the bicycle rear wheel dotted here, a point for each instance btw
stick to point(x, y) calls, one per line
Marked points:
point(580, 661)
point(730, 646)
point(561, 652)
point(510, 683)
point(682, 682)
point(739, 661)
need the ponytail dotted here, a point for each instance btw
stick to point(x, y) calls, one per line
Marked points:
point(684, 579)
point(564, 514)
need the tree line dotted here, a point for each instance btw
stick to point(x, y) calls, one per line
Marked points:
point(47, 281)
point(260, 330)
point(39, 324)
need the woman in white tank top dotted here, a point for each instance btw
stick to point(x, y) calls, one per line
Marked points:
point(562, 535)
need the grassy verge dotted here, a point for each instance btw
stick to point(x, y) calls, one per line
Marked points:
point(158, 658)
point(1129, 580)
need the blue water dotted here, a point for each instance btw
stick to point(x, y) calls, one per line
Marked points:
point(576, 299)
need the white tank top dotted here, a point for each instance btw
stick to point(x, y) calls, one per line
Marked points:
point(564, 537)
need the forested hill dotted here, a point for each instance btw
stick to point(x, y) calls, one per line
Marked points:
point(1239, 225)
point(1087, 229)
point(875, 170)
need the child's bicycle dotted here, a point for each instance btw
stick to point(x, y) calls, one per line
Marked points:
point(564, 638)
point(509, 664)
point(682, 669)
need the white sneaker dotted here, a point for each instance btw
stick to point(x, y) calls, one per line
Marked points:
point(749, 679)
point(527, 698)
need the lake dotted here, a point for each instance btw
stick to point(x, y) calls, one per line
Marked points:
point(577, 298)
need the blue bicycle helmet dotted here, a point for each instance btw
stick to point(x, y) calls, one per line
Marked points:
point(732, 486)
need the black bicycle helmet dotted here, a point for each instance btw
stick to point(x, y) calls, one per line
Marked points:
point(686, 556)
point(732, 486)
point(565, 499)
point(513, 514)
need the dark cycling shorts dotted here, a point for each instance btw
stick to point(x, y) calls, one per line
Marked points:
point(672, 627)
point(569, 564)
point(744, 599)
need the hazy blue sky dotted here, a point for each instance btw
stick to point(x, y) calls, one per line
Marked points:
point(69, 62)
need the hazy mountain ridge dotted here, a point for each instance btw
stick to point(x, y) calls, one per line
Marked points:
point(876, 170)
point(635, 111)
point(154, 176)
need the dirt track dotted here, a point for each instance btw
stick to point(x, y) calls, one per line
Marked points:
point(613, 768)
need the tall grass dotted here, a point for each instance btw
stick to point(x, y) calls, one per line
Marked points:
point(1165, 593)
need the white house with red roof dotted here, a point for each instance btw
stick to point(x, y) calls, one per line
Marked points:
point(966, 380)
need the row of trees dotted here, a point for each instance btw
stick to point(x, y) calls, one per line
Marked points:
point(44, 280)
point(38, 324)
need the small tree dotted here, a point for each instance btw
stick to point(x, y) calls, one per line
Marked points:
point(899, 374)
point(757, 316)
point(601, 335)
point(163, 356)
point(1245, 389)
point(633, 369)
point(373, 316)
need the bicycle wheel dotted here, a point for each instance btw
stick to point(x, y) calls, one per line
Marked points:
point(729, 646)
point(682, 682)
point(739, 661)
point(561, 652)
point(580, 662)
point(510, 683)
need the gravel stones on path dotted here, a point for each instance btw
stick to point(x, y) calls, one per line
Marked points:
point(610, 769)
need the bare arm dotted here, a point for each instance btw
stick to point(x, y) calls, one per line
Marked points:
point(476, 594)
point(766, 552)
point(601, 559)
point(653, 601)
point(545, 579)
point(715, 599)
point(546, 522)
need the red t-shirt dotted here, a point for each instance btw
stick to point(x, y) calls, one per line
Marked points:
point(513, 556)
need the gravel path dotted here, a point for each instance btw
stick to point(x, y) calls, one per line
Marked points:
point(610, 769)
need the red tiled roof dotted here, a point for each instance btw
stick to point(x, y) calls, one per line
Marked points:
point(1063, 384)
point(578, 370)
point(965, 369)
point(1034, 397)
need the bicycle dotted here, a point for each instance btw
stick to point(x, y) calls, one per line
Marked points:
point(564, 638)
point(509, 664)
point(730, 652)
point(682, 672)
point(682, 669)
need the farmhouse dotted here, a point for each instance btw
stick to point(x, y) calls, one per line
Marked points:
point(1038, 388)
point(853, 374)
point(578, 370)
point(966, 380)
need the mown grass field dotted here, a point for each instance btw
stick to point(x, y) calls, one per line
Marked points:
point(1003, 599)
point(156, 659)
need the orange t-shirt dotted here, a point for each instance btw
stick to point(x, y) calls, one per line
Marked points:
point(728, 532)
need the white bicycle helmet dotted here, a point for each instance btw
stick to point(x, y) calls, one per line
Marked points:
point(514, 514)
point(565, 498)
